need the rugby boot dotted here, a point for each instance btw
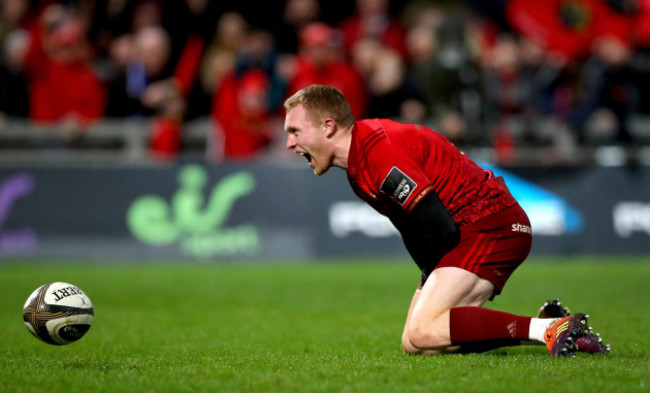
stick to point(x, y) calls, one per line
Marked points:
point(589, 343)
point(561, 337)
point(553, 309)
point(592, 343)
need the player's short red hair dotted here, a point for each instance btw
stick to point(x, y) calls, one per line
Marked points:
point(322, 101)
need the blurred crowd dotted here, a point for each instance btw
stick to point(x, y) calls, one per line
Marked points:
point(505, 74)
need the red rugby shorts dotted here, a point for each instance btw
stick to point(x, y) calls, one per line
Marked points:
point(493, 247)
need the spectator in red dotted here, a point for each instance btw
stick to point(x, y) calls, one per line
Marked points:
point(320, 61)
point(241, 116)
point(63, 87)
point(569, 28)
point(372, 19)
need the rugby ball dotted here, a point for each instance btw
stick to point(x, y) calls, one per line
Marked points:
point(58, 313)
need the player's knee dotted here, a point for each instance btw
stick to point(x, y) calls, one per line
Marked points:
point(407, 347)
point(410, 349)
point(421, 337)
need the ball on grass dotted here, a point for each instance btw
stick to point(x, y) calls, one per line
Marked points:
point(58, 313)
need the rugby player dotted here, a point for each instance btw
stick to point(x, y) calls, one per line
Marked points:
point(459, 223)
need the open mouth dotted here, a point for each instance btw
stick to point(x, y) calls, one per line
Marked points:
point(306, 155)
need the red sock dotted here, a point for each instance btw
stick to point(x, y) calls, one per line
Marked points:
point(476, 324)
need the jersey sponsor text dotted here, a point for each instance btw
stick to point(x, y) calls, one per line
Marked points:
point(521, 228)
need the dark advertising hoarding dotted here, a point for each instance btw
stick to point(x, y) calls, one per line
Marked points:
point(280, 212)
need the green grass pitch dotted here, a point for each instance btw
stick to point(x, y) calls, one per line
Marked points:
point(330, 326)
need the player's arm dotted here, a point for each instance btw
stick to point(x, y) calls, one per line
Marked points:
point(427, 227)
point(428, 231)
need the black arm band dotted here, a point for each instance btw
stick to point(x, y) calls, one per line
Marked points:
point(429, 232)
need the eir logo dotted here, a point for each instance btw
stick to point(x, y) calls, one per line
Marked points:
point(398, 185)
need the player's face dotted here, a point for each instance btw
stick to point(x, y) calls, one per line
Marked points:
point(308, 140)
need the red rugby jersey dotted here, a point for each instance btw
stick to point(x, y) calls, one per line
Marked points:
point(393, 165)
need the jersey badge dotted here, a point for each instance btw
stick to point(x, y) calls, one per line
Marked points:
point(398, 185)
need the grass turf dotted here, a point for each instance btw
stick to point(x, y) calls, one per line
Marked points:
point(327, 327)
